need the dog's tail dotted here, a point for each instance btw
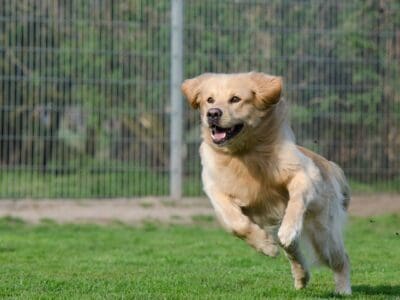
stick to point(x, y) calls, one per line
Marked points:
point(344, 186)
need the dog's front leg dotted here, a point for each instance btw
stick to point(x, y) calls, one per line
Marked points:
point(233, 219)
point(301, 191)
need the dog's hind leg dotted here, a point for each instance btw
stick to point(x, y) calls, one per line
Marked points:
point(342, 275)
point(330, 250)
point(300, 271)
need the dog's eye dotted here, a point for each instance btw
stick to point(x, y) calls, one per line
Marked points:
point(234, 99)
point(210, 100)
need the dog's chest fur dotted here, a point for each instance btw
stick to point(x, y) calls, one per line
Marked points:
point(248, 184)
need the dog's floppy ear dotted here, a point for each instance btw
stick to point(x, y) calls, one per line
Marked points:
point(191, 89)
point(267, 89)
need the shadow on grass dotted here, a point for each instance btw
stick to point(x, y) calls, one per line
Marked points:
point(7, 249)
point(388, 290)
point(367, 290)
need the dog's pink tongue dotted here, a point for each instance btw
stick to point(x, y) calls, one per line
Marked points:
point(219, 136)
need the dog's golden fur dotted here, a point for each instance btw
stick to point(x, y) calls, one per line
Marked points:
point(265, 189)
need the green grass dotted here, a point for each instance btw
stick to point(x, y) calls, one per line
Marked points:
point(85, 184)
point(153, 261)
point(389, 186)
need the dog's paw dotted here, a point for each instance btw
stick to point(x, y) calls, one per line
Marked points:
point(287, 235)
point(301, 282)
point(269, 249)
point(346, 291)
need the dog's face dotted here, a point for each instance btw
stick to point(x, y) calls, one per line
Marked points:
point(231, 105)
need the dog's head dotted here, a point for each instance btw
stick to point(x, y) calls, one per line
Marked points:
point(232, 105)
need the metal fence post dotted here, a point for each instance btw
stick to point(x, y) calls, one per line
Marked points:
point(176, 99)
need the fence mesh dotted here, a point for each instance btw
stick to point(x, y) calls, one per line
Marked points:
point(85, 87)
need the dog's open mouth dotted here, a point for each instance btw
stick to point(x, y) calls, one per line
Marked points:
point(221, 135)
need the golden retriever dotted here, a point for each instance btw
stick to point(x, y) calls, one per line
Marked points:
point(264, 188)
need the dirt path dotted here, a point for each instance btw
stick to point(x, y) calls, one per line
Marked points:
point(134, 211)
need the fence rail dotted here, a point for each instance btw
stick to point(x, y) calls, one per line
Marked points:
point(89, 89)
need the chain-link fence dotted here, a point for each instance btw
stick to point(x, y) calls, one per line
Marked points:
point(85, 108)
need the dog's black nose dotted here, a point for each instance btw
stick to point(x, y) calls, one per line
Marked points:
point(214, 114)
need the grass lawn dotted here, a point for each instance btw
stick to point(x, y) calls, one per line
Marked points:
point(21, 184)
point(199, 261)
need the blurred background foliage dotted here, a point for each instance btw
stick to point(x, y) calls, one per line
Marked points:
point(84, 87)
